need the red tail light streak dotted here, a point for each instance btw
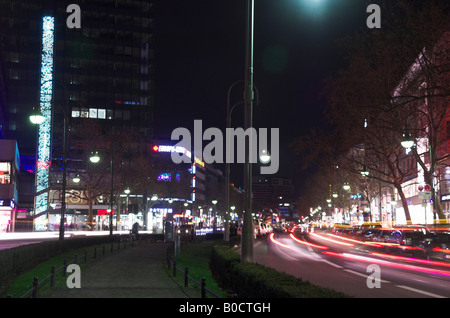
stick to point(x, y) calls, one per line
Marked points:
point(276, 242)
point(410, 259)
point(307, 243)
point(330, 240)
point(386, 263)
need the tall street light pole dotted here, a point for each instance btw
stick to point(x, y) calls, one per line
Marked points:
point(94, 158)
point(247, 230)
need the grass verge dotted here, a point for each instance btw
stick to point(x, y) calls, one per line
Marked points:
point(196, 256)
point(24, 282)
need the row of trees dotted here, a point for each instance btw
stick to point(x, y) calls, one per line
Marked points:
point(134, 167)
point(395, 85)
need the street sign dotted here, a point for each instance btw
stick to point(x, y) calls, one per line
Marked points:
point(427, 187)
point(426, 195)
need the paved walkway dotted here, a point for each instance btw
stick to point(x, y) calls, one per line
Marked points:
point(135, 272)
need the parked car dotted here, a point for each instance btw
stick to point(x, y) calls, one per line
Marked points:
point(439, 247)
point(186, 232)
point(369, 235)
point(413, 240)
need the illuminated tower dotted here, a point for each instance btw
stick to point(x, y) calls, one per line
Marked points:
point(101, 73)
point(44, 135)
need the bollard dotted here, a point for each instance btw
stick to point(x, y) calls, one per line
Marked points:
point(35, 287)
point(186, 277)
point(203, 287)
point(65, 267)
point(174, 268)
point(52, 276)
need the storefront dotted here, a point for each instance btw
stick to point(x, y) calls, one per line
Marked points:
point(156, 218)
point(9, 167)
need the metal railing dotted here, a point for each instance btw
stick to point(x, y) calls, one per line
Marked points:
point(33, 291)
point(172, 263)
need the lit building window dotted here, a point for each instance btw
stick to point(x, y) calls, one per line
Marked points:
point(5, 173)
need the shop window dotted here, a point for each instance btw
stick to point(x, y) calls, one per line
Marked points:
point(5, 173)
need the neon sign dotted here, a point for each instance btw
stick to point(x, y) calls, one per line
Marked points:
point(46, 91)
point(178, 149)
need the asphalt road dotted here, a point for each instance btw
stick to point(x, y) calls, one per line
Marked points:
point(347, 270)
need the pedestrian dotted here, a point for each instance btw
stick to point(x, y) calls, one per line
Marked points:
point(135, 229)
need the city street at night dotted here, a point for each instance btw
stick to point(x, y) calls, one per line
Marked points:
point(335, 263)
point(274, 149)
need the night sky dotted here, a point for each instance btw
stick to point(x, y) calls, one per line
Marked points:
point(200, 52)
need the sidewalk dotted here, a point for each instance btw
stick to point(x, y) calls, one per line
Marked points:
point(135, 272)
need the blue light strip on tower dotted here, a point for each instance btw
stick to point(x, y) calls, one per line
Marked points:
point(44, 142)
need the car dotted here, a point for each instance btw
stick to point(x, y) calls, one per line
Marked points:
point(439, 247)
point(186, 231)
point(413, 240)
point(368, 235)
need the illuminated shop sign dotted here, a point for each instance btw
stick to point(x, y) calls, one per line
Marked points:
point(165, 177)
point(178, 149)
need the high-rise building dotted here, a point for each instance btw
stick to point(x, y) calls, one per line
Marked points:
point(92, 62)
point(3, 123)
point(102, 70)
point(276, 194)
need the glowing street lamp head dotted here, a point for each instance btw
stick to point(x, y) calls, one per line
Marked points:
point(313, 7)
point(264, 156)
point(407, 141)
point(36, 117)
point(346, 186)
point(94, 158)
point(365, 172)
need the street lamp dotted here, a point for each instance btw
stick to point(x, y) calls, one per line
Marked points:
point(264, 156)
point(247, 229)
point(215, 220)
point(38, 118)
point(95, 158)
point(407, 141)
point(76, 179)
point(227, 183)
point(365, 172)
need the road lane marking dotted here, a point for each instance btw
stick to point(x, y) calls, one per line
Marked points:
point(331, 263)
point(421, 291)
point(364, 275)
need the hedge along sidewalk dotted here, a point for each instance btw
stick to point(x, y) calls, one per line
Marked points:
point(250, 280)
point(23, 284)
